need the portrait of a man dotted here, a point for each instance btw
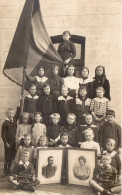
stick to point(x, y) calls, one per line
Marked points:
point(49, 170)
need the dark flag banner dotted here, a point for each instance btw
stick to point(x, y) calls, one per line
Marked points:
point(31, 46)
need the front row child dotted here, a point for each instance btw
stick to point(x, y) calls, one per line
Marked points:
point(64, 140)
point(104, 179)
point(23, 174)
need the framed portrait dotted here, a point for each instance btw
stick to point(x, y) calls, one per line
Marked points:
point(80, 166)
point(49, 165)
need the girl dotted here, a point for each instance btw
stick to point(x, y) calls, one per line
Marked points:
point(86, 81)
point(82, 106)
point(38, 128)
point(39, 80)
point(56, 82)
point(101, 80)
point(71, 81)
point(99, 106)
point(23, 128)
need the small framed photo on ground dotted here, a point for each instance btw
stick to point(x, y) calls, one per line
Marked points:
point(80, 166)
point(49, 165)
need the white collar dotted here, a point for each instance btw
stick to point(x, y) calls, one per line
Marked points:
point(25, 164)
point(34, 97)
point(12, 120)
point(88, 80)
point(62, 98)
point(110, 154)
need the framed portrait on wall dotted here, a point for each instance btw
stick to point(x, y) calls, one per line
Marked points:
point(80, 165)
point(49, 165)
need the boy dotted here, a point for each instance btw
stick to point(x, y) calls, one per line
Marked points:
point(47, 104)
point(24, 174)
point(110, 130)
point(8, 136)
point(105, 178)
point(64, 140)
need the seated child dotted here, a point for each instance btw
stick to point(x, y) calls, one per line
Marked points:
point(99, 106)
point(88, 124)
point(110, 130)
point(115, 159)
point(23, 128)
point(9, 127)
point(71, 81)
point(86, 81)
point(47, 104)
point(82, 106)
point(39, 80)
point(66, 49)
point(64, 140)
point(23, 173)
point(38, 128)
point(56, 82)
point(105, 178)
point(31, 101)
point(89, 143)
point(54, 129)
point(65, 104)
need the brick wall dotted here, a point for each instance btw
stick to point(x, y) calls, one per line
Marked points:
point(97, 20)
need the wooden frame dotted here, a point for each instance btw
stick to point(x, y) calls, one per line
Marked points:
point(43, 172)
point(74, 173)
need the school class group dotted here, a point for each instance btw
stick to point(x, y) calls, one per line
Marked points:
point(64, 112)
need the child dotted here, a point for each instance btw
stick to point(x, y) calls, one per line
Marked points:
point(38, 128)
point(89, 143)
point(8, 136)
point(64, 140)
point(67, 49)
point(110, 130)
point(86, 81)
point(56, 82)
point(88, 124)
point(82, 106)
point(39, 80)
point(99, 106)
point(31, 101)
point(65, 104)
point(71, 81)
point(23, 128)
point(24, 172)
point(54, 129)
point(47, 104)
point(101, 80)
point(105, 178)
point(115, 159)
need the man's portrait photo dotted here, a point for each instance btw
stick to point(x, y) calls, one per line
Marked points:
point(49, 170)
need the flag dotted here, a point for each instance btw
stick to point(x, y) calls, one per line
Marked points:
point(31, 46)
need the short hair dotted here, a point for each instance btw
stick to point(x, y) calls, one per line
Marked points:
point(55, 115)
point(83, 87)
point(55, 66)
point(82, 158)
point(32, 85)
point(88, 115)
point(40, 67)
point(43, 137)
point(25, 113)
point(46, 85)
point(100, 88)
point(89, 130)
point(25, 151)
point(36, 113)
point(27, 135)
point(50, 157)
point(72, 114)
point(64, 134)
point(111, 141)
point(66, 32)
point(64, 86)
point(9, 110)
point(107, 155)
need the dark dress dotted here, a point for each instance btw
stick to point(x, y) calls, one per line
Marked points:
point(53, 131)
point(31, 104)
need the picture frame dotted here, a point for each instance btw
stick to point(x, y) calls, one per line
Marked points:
point(49, 165)
point(80, 165)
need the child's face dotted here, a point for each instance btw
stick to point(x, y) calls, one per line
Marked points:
point(47, 90)
point(64, 91)
point(99, 93)
point(106, 160)
point(99, 71)
point(55, 120)
point(85, 73)
point(83, 92)
point(25, 119)
point(89, 119)
point(81, 162)
point(64, 140)
point(32, 90)
point(27, 141)
point(110, 146)
point(55, 71)
point(25, 157)
point(89, 136)
point(37, 118)
point(110, 118)
point(71, 71)
point(66, 37)
point(10, 114)
point(41, 72)
point(70, 119)
point(42, 142)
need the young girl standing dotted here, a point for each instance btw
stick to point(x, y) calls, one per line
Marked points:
point(101, 80)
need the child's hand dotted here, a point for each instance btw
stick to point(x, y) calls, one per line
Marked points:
point(8, 146)
point(34, 178)
point(67, 61)
point(53, 141)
